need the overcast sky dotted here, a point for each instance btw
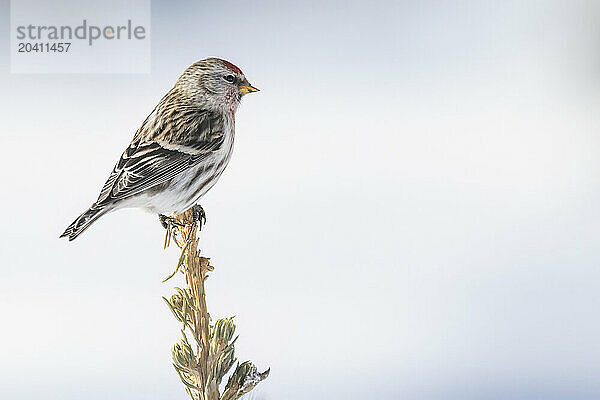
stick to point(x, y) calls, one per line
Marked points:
point(411, 210)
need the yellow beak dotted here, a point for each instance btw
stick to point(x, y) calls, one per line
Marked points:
point(245, 89)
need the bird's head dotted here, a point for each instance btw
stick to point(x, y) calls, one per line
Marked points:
point(215, 84)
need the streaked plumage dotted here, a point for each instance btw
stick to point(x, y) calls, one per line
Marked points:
point(180, 150)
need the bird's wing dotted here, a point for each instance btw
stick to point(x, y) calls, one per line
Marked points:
point(145, 164)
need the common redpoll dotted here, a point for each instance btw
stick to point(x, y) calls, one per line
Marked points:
point(180, 150)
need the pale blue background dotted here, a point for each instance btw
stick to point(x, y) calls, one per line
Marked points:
point(411, 212)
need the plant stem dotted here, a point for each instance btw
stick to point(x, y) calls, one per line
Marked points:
point(195, 269)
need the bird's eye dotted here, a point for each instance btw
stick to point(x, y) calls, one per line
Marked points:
point(229, 78)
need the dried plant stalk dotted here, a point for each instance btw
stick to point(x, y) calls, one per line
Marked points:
point(202, 370)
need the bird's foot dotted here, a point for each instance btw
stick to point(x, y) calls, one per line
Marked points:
point(170, 224)
point(198, 216)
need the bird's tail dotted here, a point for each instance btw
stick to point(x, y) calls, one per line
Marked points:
point(84, 221)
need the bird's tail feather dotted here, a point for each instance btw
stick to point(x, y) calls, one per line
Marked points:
point(84, 221)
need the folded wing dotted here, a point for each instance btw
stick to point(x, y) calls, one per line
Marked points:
point(146, 164)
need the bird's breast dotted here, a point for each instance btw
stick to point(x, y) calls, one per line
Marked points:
point(187, 188)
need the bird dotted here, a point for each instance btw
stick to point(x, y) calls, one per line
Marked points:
point(179, 151)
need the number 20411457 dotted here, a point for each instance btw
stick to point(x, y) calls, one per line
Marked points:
point(43, 47)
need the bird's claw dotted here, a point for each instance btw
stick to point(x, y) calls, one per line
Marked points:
point(198, 216)
point(169, 222)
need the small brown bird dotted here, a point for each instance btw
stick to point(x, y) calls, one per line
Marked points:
point(180, 150)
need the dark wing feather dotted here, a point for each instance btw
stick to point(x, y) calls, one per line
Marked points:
point(147, 164)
